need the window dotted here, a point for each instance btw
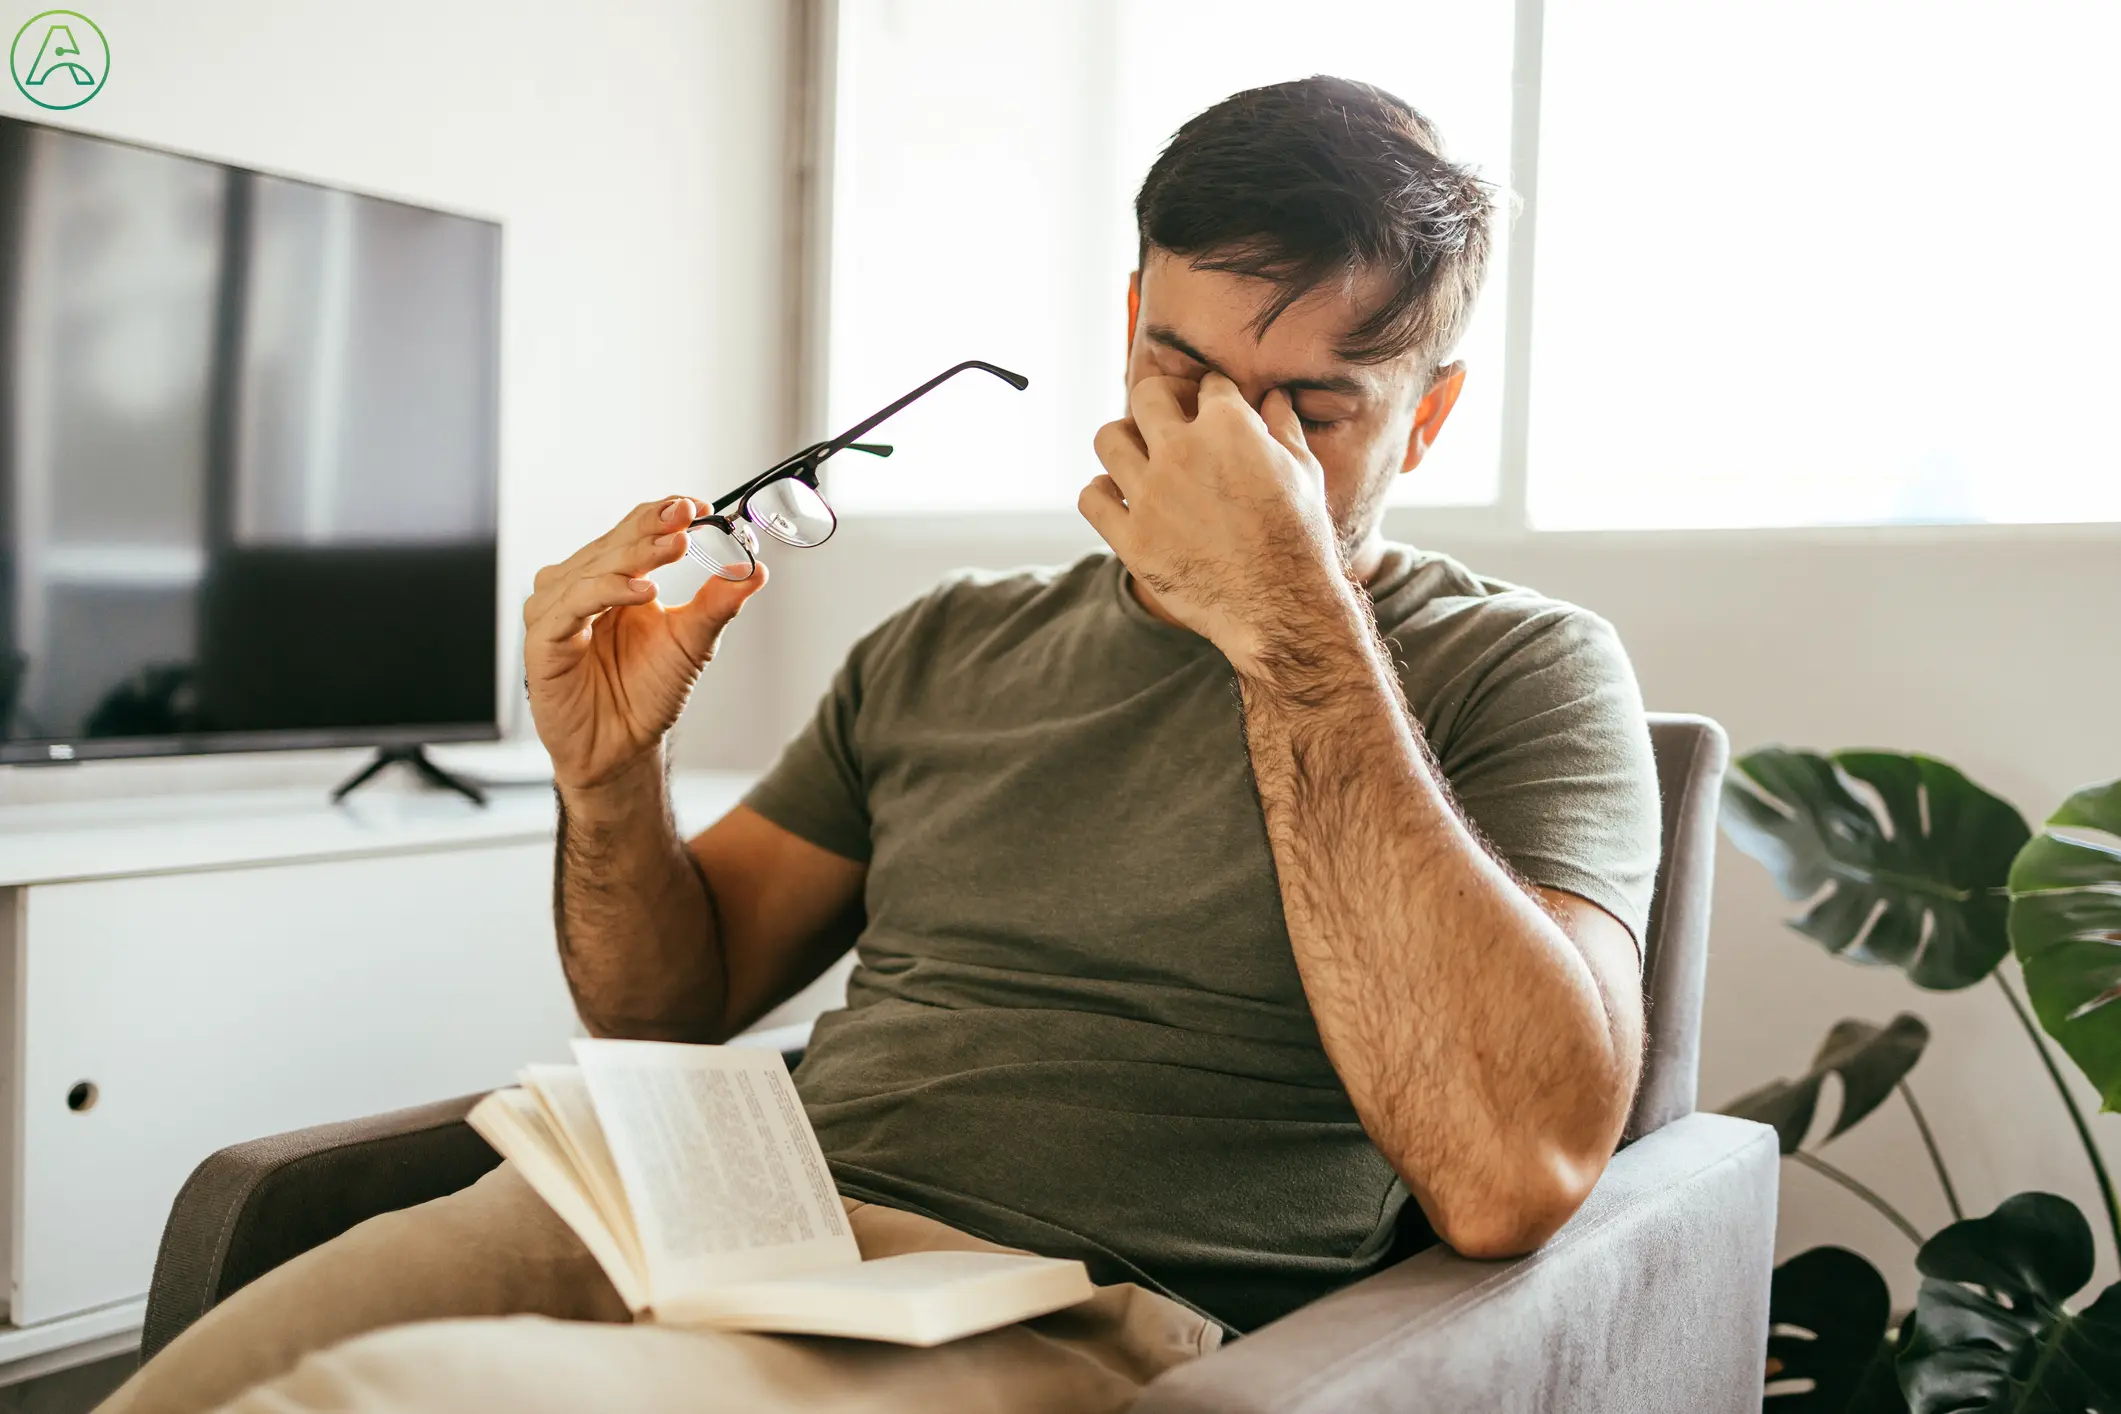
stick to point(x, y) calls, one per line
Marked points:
point(1826, 262)
point(985, 162)
point(1832, 262)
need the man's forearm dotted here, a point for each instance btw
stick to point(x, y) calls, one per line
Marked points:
point(1470, 1032)
point(634, 914)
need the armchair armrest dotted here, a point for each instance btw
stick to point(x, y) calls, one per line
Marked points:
point(1653, 1299)
point(247, 1209)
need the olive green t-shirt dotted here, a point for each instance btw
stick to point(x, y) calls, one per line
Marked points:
point(1074, 1023)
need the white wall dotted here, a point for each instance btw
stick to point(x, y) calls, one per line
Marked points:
point(1995, 650)
point(631, 148)
point(633, 151)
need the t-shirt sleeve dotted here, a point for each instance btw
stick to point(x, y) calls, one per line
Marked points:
point(815, 790)
point(1551, 761)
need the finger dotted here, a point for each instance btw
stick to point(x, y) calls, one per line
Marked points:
point(655, 517)
point(539, 604)
point(1279, 413)
point(1158, 405)
point(698, 623)
point(627, 560)
point(636, 556)
point(1123, 453)
point(570, 607)
point(1219, 390)
point(643, 523)
point(1222, 398)
point(1102, 505)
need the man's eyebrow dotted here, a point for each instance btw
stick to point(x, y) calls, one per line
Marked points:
point(1338, 383)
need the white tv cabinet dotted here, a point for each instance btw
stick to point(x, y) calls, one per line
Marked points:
point(188, 972)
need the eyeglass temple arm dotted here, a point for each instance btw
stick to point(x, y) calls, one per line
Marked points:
point(846, 439)
point(818, 451)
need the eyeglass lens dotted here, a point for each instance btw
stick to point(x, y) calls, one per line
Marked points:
point(790, 510)
point(727, 553)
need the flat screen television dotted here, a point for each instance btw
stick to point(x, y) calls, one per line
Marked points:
point(248, 462)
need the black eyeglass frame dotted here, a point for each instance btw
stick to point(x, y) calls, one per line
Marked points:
point(731, 514)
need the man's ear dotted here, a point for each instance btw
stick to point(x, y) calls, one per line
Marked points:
point(1430, 412)
point(1134, 309)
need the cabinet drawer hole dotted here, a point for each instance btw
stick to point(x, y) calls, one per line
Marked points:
point(82, 1098)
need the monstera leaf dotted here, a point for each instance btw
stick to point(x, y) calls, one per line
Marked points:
point(1828, 1351)
point(2065, 919)
point(1870, 1060)
point(1923, 891)
point(1990, 1330)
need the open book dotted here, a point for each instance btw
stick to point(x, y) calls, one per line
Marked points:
point(692, 1175)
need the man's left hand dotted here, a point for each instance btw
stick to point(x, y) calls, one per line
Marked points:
point(1219, 510)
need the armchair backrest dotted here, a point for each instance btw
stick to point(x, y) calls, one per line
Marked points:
point(1691, 755)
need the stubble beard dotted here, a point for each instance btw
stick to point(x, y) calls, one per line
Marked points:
point(1357, 525)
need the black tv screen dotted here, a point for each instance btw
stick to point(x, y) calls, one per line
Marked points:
point(248, 434)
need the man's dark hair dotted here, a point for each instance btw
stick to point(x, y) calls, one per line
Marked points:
point(1321, 179)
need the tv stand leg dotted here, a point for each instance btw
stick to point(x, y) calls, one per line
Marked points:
point(415, 757)
point(440, 779)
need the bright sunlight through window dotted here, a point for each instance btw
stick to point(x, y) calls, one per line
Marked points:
point(1826, 262)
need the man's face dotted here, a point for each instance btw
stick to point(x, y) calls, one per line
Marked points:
point(1366, 423)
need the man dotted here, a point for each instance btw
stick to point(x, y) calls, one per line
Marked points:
point(1211, 899)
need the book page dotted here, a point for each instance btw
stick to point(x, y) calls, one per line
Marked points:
point(511, 1121)
point(563, 1096)
point(718, 1162)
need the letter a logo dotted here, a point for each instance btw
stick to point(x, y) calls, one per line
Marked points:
point(59, 59)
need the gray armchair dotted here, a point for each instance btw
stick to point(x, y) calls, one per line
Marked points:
point(1652, 1300)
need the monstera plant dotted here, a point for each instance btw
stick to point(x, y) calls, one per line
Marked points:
point(1901, 861)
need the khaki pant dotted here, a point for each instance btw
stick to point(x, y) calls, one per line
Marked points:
point(485, 1300)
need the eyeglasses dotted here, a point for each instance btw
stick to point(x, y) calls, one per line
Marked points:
point(784, 500)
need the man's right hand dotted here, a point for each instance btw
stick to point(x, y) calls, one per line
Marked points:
point(608, 668)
